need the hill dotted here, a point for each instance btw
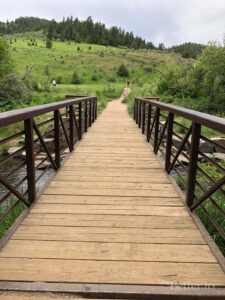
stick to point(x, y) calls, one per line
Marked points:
point(188, 50)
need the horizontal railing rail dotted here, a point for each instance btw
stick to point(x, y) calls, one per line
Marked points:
point(44, 135)
point(180, 137)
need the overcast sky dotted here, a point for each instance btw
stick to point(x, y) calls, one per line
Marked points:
point(168, 21)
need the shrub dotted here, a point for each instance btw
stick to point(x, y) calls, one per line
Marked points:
point(75, 78)
point(48, 43)
point(94, 77)
point(148, 69)
point(46, 70)
point(58, 79)
point(122, 71)
point(111, 78)
point(34, 85)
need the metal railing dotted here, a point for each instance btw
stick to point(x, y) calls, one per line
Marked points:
point(199, 174)
point(57, 126)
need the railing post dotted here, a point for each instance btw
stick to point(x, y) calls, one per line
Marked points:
point(80, 120)
point(193, 163)
point(30, 159)
point(156, 136)
point(137, 111)
point(96, 109)
point(93, 112)
point(57, 138)
point(143, 118)
point(85, 117)
point(90, 113)
point(149, 122)
point(139, 117)
point(135, 103)
point(71, 128)
point(169, 140)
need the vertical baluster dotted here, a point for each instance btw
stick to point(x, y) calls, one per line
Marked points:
point(137, 111)
point(139, 117)
point(193, 163)
point(85, 117)
point(156, 136)
point(135, 103)
point(93, 111)
point(80, 120)
point(143, 118)
point(30, 159)
point(169, 140)
point(96, 109)
point(90, 113)
point(71, 128)
point(149, 122)
point(57, 138)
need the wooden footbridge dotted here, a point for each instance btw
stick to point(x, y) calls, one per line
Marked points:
point(112, 222)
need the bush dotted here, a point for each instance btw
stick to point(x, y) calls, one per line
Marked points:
point(94, 77)
point(48, 43)
point(34, 85)
point(122, 71)
point(75, 78)
point(111, 78)
point(58, 79)
point(148, 69)
point(46, 70)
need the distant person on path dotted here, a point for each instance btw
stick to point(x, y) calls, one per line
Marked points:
point(54, 83)
point(128, 83)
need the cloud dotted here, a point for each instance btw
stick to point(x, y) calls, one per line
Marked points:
point(168, 21)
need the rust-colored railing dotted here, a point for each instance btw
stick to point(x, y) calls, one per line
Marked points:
point(47, 134)
point(178, 136)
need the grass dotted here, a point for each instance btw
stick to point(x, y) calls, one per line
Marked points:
point(218, 197)
point(64, 58)
point(10, 219)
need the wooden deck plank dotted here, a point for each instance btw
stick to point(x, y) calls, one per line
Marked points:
point(104, 200)
point(111, 209)
point(109, 192)
point(114, 185)
point(105, 234)
point(108, 251)
point(52, 270)
point(114, 221)
point(70, 176)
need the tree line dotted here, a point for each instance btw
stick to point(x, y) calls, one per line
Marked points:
point(76, 30)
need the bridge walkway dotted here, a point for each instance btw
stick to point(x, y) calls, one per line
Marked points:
point(110, 217)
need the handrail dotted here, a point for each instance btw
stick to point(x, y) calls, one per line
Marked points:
point(214, 122)
point(57, 132)
point(179, 146)
point(10, 117)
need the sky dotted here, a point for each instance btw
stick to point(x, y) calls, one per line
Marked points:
point(169, 21)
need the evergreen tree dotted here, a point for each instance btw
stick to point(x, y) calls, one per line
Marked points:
point(122, 71)
point(48, 43)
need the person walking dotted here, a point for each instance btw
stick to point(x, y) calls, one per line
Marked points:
point(54, 83)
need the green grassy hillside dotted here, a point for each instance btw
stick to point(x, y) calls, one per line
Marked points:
point(64, 58)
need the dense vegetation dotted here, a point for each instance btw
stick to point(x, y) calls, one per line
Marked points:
point(188, 50)
point(196, 82)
